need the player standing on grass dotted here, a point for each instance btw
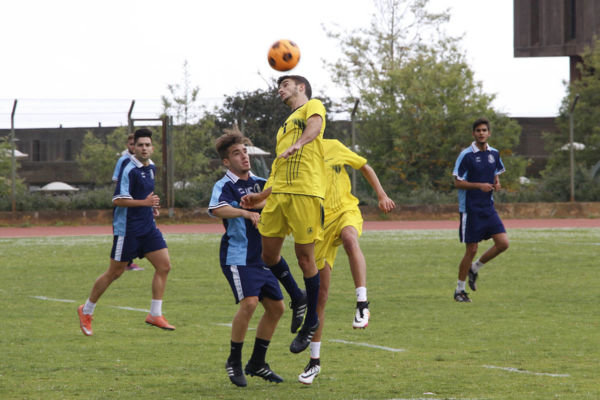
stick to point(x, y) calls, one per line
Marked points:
point(295, 192)
point(135, 234)
point(476, 177)
point(250, 279)
point(343, 225)
point(121, 163)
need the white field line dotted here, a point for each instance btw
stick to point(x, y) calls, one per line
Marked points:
point(521, 371)
point(367, 345)
point(229, 325)
point(51, 299)
point(73, 301)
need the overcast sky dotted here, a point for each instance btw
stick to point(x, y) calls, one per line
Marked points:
point(112, 51)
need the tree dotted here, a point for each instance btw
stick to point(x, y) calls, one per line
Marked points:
point(98, 155)
point(191, 133)
point(586, 130)
point(418, 98)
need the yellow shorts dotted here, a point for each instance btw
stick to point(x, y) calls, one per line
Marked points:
point(300, 215)
point(326, 249)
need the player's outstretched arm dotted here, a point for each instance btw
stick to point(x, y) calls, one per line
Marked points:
point(312, 130)
point(253, 201)
point(385, 203)
point(226, 212)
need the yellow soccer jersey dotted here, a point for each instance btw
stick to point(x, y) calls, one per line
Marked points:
point(338, 197)
point(303, 172)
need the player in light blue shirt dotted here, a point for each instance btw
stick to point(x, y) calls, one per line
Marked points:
point(251, 281)
point(476, 177)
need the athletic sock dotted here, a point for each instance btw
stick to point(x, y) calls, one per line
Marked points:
point(361, 293)
point(315, 350)
point(460, 286)
point(235, 354)
point(259, 352)
point(156, 308)
point(283, 274)
point(312, 297)
point(476, 265)
point(89, 307)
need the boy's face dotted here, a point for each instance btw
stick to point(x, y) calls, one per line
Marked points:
point(143, 149)
point(238, 160)
point(481, 134)
point(130, 146)
point(287, 90)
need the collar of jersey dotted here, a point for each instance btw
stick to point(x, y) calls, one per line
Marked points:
point(234, 178)
point(138, 163)
point(476, 149)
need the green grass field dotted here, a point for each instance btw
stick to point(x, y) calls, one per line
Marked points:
point(532, 331)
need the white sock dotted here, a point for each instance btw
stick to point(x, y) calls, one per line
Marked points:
point(89, 307)
point(476, 265)
point(315, 349)
point(460, 286)
point(361, 293)
point(156, 308)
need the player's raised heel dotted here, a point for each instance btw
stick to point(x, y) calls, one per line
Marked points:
point(298, 310)
point(264, 371)
point(303, 338)
point(85, 322)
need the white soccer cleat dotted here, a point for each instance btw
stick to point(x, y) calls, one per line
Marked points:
point(361, 319)
point(310, 373)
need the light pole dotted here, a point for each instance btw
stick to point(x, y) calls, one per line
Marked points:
point(13, 164)
point(571, 149)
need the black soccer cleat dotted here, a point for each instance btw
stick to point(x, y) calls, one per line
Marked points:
point(472, 279)
point(303, 338)
point(462, 297)
point(235, 373)
point(264, 371)
point(298, 308)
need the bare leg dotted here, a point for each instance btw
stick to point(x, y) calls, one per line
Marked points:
point(239, 325)
point(467, 260)
point(323, 296)
point(114, 271)
point(162, 265)
point(358, 264)
point(268, 322)
point(500, 245)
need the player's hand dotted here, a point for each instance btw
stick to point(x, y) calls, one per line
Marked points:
point(386, 204)
point(249, 201)
point(152, 200)
point(497, 186)
point(155, 211)
point(290, 151)
point(486, 187)
point(252, 216)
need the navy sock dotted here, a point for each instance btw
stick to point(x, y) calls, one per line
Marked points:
point(259, 352)
point(312, 297)
point(283, 274)
point(235, 355)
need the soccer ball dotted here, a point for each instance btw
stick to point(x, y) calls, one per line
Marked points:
point(283, 55)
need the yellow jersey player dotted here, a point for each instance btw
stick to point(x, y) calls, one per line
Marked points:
point(343, 225)
point(294, 201)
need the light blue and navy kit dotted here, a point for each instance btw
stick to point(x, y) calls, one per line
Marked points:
point(121, 163)
point(478, 217)
point(135, 232)
point(241, 245)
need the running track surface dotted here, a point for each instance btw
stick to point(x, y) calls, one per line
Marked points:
point(368, 225)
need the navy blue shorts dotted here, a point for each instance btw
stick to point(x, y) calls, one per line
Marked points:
point(476, 227)
point(248, 281)
point(126, 248)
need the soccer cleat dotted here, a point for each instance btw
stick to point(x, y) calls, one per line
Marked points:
point(298, 310)
point(236, 376)
point(310, 373)
point(159, 322)
point(472, 279)
point(85, 321)
point(462, 297)
point(263, 371)
point(361, 319)
point(133, 267)
point(303, 338)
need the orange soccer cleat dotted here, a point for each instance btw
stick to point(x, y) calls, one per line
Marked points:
point(159, 322)
point(85, 322)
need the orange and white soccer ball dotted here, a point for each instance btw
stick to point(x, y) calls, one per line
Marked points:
point(283, 55)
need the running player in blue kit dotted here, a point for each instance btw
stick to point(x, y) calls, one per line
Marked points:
point(135, 233)
point(476, 177)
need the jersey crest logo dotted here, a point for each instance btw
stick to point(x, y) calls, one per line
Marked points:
point(477, 159)
point(309, 229)
point(491, 159)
